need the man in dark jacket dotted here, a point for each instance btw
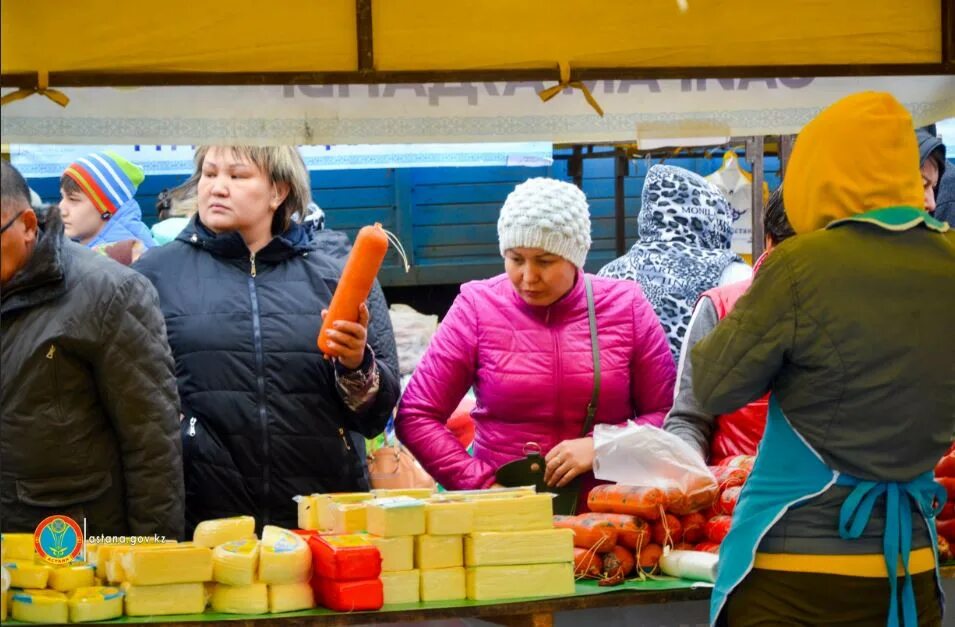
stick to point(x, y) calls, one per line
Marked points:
point(89, 425)
point(931, 164)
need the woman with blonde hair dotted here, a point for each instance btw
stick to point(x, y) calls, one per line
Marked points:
point(243, 290)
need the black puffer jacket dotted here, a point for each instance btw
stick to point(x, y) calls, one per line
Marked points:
point(264, 419)
point(90, 414)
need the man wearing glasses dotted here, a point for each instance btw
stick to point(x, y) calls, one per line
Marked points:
point(89, 424)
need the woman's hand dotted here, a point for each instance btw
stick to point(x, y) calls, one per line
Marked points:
point(346, 340)
point(567, 460)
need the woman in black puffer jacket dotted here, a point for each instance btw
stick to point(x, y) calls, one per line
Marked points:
point(242, 289)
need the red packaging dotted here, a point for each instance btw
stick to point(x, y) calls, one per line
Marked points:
point(348, 596)
point(344, 557)
point(717, 528)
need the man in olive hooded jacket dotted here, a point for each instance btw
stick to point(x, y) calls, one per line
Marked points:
point(841, 325)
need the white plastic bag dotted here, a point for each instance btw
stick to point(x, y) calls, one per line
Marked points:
point(413, 333)
point(645, 456)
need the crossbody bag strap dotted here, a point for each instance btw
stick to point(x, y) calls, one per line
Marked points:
point(595, 347)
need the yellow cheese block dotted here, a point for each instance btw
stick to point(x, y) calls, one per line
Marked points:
point(308, 511)
point(326, 503)
point(500, 548)
point(253, 599)
point(478, 495)
point(523, 513)
point(236, 563)
point(289, 597)
point(414, 493)
point(40, 606)
point(174, 565)
point(396, 553)
point(67, 578)
point(95, 604)
point(3, 605)
point(17, 546)
point(488, 583)
point(28, 574)
point(92, 554)
point(449, 518)
point(401, 586)
point(212, 533)
point(109, 565)
point(176, 598)
point(444, 584)
point(348, 518)
point(400, 516)
point(284, 557)
point(431, 552)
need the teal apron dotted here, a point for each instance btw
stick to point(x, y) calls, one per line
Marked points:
point(789, 472)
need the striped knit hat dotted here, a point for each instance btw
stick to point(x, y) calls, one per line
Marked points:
point(109, 180)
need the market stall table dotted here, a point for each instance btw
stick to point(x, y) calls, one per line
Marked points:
point(517, 613)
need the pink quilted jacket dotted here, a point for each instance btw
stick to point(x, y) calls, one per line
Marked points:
point(532, 372)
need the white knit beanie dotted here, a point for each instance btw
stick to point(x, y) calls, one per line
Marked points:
point(548, 214)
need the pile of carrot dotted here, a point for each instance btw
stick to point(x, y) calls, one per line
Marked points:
point(628, 527)
point(945, 521)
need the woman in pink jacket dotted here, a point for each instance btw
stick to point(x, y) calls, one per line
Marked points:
point(522, 340)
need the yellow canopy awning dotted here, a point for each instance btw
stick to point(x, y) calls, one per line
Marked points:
point(170, 42)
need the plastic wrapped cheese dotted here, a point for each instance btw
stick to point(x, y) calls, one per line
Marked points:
point(695, 565)
point(28, 574)
point(523, 513)
point(452, 518)
point(401, 586)
point(399, 516)
point(501, 548)
point(252, 599)
point(68, 578)
point(112, 568)
point(345, 558)
point(397, 553)
point(290, 597)
point(307, 511)
point(414, 493)
point(4, 587)
point(18, 546)
point(489, 583)
point(349, 596)
point(46, 607)
point(444, 584)
point(284, 557)
point(150, 567)
point(326, 502)
point(236, 563)
point(212, 533)
point(348, 518)
point(176, 598)
point(433, 552)
point(95, 603)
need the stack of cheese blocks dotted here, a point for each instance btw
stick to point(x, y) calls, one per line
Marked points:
point(252, 576)
point(480, 545)
point(36, 592)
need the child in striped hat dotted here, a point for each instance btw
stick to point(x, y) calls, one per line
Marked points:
point(97, 203)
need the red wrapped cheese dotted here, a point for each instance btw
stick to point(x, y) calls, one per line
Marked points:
point(345, 557)
point(348, 596)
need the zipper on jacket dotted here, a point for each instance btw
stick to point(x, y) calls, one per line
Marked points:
point(260, 381)
point(252, 264)
point(341, 432)
point(58, 401)
point(192, 427)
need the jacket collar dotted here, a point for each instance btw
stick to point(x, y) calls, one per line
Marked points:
point(567, 304)
point(895, 219)
point(294, 241)
point(43, 278)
